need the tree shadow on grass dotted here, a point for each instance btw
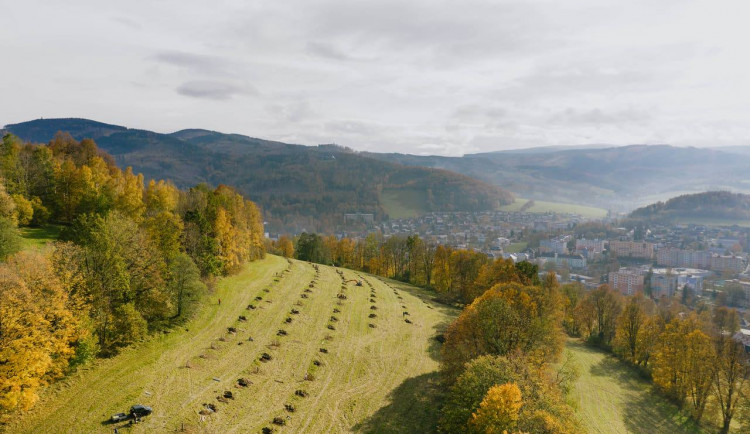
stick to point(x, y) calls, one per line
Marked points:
point(645, 411)
point(615, 369)
point(435, 347)
point(654, 414)
point(413, 408)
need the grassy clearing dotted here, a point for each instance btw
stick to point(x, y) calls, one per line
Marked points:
point(381, 379)
point(515, 247)
point(541, 206)
point(612, 398)
point(401, 204)
point(36, 238)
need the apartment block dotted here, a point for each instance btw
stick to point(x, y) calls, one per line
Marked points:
point(627, 280)
point(632, 249)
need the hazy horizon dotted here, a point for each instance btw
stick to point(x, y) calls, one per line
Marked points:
point(418, 77)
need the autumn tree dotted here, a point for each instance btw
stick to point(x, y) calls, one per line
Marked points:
point(185, 285)
point(442, 269)
point(572, 294)
point(543, 408)
point(286, 246)
point(10, 240)
point(730, 377)
point(498, 412)
point(464, 267)
point(122, 268)
point(38, 328)
point(598, 313)
point(631, 326)
point(684, 362)
point(506, 318)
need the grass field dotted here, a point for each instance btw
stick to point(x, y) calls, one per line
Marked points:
point(612, 398)
point(381, 379)
point(543, 207)
point(515, 247)
point(35, 238)
point(401, 204)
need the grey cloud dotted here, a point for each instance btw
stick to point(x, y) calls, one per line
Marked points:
point(293, 112)
point(200, 63)
point(213, 90)
point(128, 22)
point(597, 116)
point(437, 32)
point(326, 50)
point(354, 127)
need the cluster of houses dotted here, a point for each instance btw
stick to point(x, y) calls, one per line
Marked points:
point(662, 259)
point(463, 230)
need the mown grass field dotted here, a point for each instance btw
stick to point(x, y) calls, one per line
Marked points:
point(612, 398)
point(36, 238)
point(515, 247)
point(381, 379)
point(541, 206)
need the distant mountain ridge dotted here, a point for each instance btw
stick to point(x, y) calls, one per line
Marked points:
point(299, 187)
point(619, 178)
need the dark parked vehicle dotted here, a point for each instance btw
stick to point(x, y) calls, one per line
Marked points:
point(136, 412)
point(140, 410)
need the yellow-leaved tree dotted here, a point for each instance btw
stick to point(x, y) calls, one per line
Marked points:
point(499, 411)
point(38, 329)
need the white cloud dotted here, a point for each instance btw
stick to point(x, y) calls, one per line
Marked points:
point(415, 76)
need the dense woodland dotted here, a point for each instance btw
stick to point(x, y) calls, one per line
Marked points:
point(133, 258)
point(298, 187)
point(722, 205)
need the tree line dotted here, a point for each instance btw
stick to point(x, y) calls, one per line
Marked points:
point(456, 275)
point(133, 257)
point(690, 354)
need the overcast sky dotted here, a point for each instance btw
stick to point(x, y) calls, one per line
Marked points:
point(432, 76)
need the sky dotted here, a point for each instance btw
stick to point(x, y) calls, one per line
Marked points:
point(422, 77)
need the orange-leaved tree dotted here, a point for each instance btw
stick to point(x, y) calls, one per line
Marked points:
point(505, 318)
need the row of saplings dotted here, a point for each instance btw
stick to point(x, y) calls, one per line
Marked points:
point(227, 395)
point(405, 312)
point(265, 357)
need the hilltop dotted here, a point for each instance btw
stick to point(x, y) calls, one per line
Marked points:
point(299, 187)
point(711, 206)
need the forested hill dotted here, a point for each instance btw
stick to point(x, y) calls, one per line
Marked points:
point(713, 205)
point(299, 187)
point(619, 178)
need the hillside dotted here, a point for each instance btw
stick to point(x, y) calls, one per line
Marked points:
point(617, 178)
point(371, 379)
point(711, 206)
point(299, 187)
point(613, 398)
